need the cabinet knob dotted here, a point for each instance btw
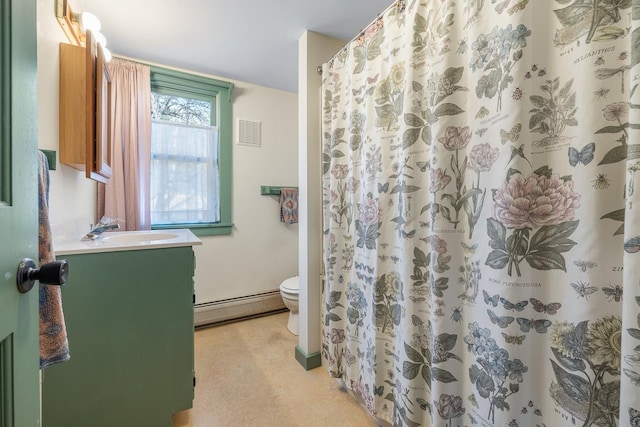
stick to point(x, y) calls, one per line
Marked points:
point(52, 273)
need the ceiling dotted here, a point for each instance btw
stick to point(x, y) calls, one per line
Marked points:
point(254, 41)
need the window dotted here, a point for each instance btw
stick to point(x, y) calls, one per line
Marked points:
point(190, 152)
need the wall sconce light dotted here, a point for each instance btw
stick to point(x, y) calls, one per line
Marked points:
point(87, 21)
point(75, 26)
point(107, 54)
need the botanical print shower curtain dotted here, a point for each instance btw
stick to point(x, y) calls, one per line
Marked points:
point(481, 224)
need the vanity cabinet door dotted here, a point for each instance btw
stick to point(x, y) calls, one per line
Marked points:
point(129, 318)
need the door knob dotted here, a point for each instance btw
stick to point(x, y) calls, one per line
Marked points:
point(52, 273)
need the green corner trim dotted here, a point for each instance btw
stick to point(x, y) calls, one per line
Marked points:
point(308, 361)
point(51, 158)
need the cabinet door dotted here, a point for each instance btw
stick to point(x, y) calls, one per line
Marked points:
point(73, 106)
point(129, 318)
point(85, 109)
point(98, 144)
point(102, 161)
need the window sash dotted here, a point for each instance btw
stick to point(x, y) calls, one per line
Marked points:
point(184, 174)
point(219, 93)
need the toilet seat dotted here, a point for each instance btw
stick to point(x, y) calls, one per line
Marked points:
point(291, 285)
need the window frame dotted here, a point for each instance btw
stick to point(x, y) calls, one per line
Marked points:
point(218, 92)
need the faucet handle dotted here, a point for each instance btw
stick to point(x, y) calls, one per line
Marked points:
point(105, 220)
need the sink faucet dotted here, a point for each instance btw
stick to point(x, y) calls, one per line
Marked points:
point(105, 224)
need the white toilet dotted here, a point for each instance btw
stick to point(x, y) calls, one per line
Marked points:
point(290, 290)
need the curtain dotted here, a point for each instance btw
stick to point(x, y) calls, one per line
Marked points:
point(481, 225)
point(184, 181)
point(126, 197)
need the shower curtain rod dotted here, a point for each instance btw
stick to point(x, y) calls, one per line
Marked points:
point(397, 3)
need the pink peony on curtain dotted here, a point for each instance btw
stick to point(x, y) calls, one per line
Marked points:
point(481, 224)
point(126, 197)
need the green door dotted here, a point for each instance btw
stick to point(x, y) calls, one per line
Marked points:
point(19, 355)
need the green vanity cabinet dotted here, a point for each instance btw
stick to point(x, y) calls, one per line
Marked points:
point(129, 318)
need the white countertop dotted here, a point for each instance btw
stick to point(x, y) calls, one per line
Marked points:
point(127, 241)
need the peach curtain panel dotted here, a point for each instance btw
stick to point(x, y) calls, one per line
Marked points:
point(126, 197)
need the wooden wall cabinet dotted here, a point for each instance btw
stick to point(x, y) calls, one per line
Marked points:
point(85, 109)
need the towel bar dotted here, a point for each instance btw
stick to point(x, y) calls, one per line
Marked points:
point(51, 158)
point(272, 190)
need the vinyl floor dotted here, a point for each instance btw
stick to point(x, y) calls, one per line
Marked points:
point(247, 376)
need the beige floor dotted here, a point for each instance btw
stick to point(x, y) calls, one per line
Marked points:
point(247, 376)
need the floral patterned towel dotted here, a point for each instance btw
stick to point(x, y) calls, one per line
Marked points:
point(54, 347)
point(289, 205)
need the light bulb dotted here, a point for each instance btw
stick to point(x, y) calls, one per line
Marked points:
point(89, 21)
point(100, 38)
point(107, 54)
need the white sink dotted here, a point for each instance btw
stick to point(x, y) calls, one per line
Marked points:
point(113, 241)
point(138, 237)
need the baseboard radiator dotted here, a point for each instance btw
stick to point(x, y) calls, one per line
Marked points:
point(210, 313)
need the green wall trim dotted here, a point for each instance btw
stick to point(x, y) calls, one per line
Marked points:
point(219, 92)
point(217, 229)
point(51, 158)
point(179, 78)
point(308, 361)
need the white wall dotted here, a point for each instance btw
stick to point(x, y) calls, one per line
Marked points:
point(73, 197)
point(313, 50)
point(261, 251)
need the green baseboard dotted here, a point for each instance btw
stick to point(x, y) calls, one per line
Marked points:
point(308, 361)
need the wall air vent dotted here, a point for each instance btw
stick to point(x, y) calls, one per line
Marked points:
point(249, 133)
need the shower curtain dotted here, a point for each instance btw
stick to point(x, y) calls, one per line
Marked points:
point(481, 224)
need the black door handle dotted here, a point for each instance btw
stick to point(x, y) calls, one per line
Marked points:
point(52, 273)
